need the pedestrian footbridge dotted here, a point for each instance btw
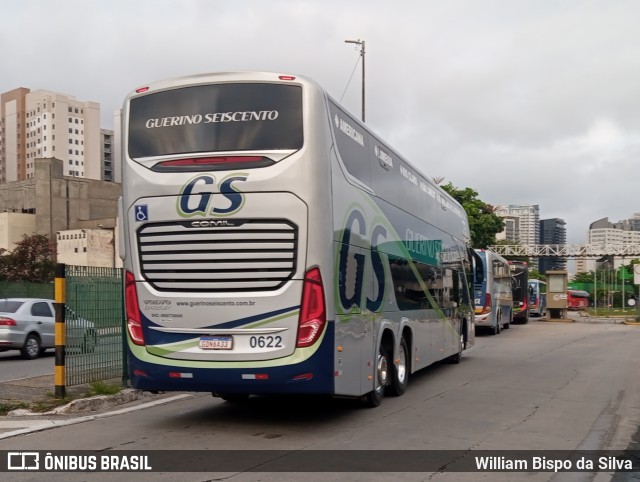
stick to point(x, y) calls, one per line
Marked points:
point(567, 250)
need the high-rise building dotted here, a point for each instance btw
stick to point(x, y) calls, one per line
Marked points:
point(511, 230)
point(44, 124)
point(106, 154)
point(552, 231)
point(603, 232)
point(522, 222)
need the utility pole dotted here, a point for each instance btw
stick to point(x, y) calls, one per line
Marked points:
point(360, 43)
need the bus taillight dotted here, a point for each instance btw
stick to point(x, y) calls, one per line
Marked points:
point(487, 304)
point(313, 315)
point(134, 324)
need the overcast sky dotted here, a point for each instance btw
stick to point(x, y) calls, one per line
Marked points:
point(526, 102)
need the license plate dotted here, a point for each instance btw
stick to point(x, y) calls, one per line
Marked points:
point(216, 342)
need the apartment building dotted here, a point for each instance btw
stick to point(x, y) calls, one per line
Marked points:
point(44, 124)
point(107, 154)
point(603, 232)
point(523, 222)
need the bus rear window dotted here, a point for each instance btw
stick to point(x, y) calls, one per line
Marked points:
point(215, 118)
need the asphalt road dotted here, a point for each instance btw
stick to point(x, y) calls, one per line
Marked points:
point(13, 366)
point(541, 386)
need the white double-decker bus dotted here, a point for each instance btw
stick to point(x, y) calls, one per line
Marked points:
point(274, 245)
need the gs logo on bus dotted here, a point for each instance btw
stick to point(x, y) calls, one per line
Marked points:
point(196, 197)
point(351, 283)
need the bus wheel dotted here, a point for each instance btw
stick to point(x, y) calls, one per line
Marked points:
point(233, 397)
point(496, 328)
point(374, 397)
point(508, 325)
point(455, 359)
point(400, 371)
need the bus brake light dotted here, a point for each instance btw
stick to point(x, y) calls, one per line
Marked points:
point(197, 164)
point(487, 304)
point(134, 323)
point(313, 314)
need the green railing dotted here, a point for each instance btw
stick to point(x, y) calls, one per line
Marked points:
point(94, 321)
point(11, 289)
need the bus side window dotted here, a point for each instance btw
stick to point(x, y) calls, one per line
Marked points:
point(478, 267)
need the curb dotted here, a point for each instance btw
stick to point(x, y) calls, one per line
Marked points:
point(31, 426)
point(91, 404)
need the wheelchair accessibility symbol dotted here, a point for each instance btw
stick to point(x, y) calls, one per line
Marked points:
point(142, 212)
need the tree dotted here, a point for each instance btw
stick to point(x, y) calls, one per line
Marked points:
point(484, 224)
point(584, 277)
point(535, 274)
point(30, 261)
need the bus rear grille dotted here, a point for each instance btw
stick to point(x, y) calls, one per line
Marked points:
point(225, 255)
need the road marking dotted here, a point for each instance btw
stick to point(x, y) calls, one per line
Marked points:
point(29, 426)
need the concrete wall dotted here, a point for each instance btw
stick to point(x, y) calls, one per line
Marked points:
point(88, 247)
point(60, 203)
point(13, 226)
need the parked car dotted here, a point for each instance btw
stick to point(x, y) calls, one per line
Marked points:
point(28, 325)
point(82, 336)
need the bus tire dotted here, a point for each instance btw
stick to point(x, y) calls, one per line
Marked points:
point(374, 397)
point(400, 371)
point(495, 330)
point(457, 358)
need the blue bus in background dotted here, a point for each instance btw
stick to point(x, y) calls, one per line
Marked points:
point(492, 291)
point(537, 297)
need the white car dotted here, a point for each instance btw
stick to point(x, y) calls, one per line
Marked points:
point(28, 325)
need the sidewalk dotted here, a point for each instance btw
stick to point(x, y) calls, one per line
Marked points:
point(584, 317)
point(31, 391)
point(35, 389)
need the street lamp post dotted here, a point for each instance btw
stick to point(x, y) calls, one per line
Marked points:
point(360, 43)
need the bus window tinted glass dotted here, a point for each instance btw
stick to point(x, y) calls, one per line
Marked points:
point(217, 117)
point(353, 144)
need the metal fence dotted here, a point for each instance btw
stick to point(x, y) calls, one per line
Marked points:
point(94, 321)
point(13, 289)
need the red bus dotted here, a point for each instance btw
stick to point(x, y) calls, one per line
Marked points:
point(577, 300)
